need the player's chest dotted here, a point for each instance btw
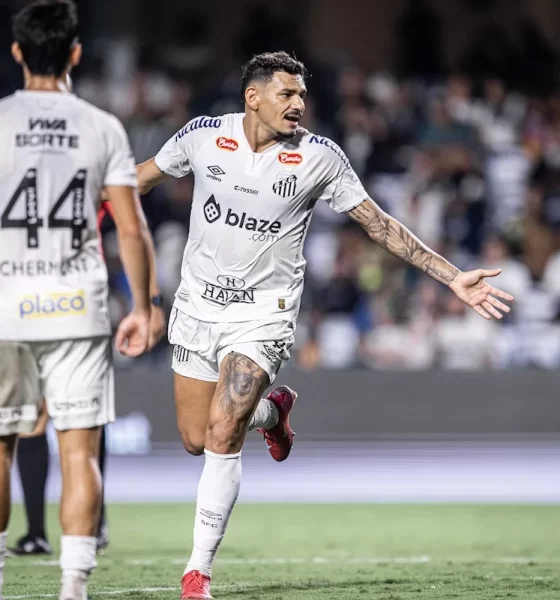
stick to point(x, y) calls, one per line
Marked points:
point(268, 179)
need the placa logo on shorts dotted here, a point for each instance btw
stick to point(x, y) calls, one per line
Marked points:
point(55, 304)
point(231, 290)
point(212, 210)
point(227, 144)
point(290, 158)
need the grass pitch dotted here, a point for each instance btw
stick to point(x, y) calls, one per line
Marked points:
point(321, 552)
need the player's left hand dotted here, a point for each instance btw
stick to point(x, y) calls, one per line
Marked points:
point(133, 334)
point(157, 325)
point(472, 289)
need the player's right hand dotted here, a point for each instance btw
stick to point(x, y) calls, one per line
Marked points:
point(133, 334)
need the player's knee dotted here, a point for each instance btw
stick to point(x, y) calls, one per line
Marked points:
point(193, 444)
point(194, 449)
point(225, 436)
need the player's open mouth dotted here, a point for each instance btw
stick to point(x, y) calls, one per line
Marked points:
point(292, 119)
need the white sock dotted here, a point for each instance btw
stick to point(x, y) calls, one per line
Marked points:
point(77, 561)
point(218, 489)
point(3, 545)
point(266, 415)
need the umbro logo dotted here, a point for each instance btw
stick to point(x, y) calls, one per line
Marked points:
point(215, 171)
point(210, 514)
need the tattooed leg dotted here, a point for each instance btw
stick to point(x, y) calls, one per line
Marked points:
point(237, 395)
point(238, 392)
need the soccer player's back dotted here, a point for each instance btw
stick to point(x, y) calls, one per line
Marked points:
point(59, 154)
point(51, 177)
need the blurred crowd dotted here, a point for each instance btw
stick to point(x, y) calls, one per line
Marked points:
point(469, 161)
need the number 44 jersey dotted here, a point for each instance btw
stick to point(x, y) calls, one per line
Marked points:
point(56, 155)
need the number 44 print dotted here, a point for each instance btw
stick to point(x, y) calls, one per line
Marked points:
point(32, 222)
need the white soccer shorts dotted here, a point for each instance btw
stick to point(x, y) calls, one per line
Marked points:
point(76, 379)
point(20, 397)
point(200, 347)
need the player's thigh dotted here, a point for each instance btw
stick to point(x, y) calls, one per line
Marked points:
point(241, 384)
point(78, 382)
point(19, 389)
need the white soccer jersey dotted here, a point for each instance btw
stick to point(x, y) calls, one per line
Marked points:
point(57, 152)
point(250, 215)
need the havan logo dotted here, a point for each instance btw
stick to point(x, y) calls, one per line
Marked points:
point(230, 290)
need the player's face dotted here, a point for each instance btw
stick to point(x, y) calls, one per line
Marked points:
point(281, 103)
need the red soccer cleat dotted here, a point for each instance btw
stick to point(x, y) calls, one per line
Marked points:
point(280, 438)
point(195, 585)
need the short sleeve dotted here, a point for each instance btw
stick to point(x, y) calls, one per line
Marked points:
point(176, 156)
point(120, 169)
point(346, 191)
point(173, 159)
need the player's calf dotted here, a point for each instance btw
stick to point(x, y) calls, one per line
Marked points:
point(7, 447)
point(80, 507)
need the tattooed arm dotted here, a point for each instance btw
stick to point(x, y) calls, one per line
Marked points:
point(398, 240)
point(469, 286)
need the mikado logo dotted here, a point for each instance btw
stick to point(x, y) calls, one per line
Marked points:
point(56, 304)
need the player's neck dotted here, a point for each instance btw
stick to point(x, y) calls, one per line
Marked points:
point(257, 136)
point(40, 83)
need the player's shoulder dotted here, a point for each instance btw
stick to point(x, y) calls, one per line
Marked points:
point(7, 100)
point(314, 144)
point(99, 118)
point(8, 104)
point(204, 127)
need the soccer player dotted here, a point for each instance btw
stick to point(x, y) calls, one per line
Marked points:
point(33, 449)
point(58, 155)
point(258, 175)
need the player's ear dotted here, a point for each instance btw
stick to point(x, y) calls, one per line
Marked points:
point(252, 97)
point(75, 55)
point(17, 54)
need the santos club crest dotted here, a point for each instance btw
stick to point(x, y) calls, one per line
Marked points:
point(285, 186)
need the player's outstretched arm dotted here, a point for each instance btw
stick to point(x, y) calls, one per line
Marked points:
point(149, 176)
point(394, 237)
point(133, 333)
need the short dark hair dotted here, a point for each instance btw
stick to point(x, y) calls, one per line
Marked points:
point(263, 66)
point(45, 31)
